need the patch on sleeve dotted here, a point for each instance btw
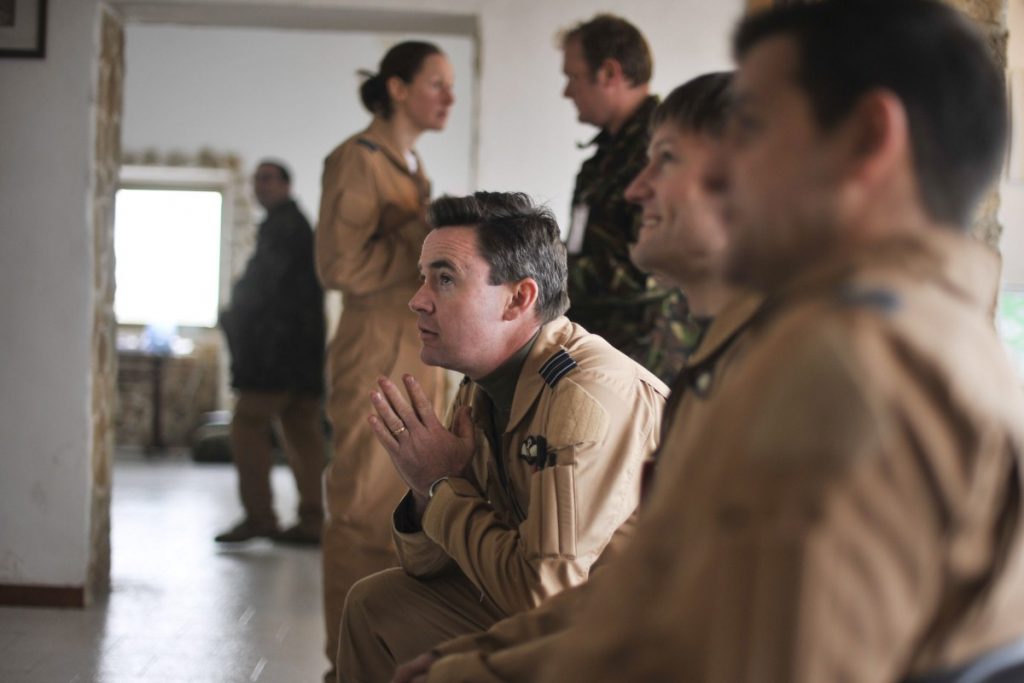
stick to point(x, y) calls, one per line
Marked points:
point(367, 144)
point(878, 298)
point(576, 417)
point(557, 367)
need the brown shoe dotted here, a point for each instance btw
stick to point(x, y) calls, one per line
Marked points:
point(296, 535)
point(246, 530)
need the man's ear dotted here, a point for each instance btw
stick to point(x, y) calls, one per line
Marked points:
point(609, 72)
point(879, 136)
point(523, 299)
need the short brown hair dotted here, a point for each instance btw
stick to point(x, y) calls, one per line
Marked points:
point(701, 105)
point(607, 36)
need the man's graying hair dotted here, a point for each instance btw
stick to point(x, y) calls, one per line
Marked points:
point(517, 238)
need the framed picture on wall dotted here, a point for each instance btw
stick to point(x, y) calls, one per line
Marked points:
point(23, 28)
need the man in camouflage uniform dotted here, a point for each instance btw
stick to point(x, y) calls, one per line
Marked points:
point(607, 65)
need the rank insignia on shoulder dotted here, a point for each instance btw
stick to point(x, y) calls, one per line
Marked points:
point(878, 298)
point(557, 367)
point(534, 452)
point(372, 146)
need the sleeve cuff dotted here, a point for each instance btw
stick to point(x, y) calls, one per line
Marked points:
point(418, 555)
point(404, 517)
point(446, 493)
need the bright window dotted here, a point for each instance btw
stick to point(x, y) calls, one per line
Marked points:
point(167, 245)
point(1010, 322)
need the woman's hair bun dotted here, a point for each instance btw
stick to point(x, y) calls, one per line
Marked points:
point(374, 93)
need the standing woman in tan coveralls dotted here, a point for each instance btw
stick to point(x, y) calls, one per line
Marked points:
point(372, 224)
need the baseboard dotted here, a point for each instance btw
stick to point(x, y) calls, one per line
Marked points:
point(20, 595)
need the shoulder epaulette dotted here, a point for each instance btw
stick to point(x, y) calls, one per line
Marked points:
point(557, 367)
point(878, 298)
point(372, 146)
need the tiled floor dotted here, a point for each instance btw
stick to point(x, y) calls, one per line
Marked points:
point(181, 608)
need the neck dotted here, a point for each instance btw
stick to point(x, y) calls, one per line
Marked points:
point(513, 344)
point(631, 101)
point(401, 132)
point(888, 209)
point(707, 299)
point(273, 205)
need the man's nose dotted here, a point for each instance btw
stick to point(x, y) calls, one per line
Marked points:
point(638, 190)
point(419, 301)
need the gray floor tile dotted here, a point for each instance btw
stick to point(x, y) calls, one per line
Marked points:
point(181, 608)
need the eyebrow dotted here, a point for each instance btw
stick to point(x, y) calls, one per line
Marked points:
point(658, 144)
point(442, 263)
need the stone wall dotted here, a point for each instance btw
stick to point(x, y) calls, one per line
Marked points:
point(187, 388)
point(107, 113)
point(991, 18)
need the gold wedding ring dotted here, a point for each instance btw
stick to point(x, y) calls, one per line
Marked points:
point(399, 431)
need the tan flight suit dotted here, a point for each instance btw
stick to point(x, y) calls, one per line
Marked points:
point(526, 525)
point(367, 245)
point(852, 507)
point(515, 649)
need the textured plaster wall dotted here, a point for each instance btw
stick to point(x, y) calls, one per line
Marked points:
point(48, 280)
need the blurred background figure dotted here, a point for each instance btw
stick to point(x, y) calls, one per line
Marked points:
point(275, 331)
point(372, 224)
point(607, 66)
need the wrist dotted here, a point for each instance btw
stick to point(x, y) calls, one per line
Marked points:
point(419, 504)
point(433, 487)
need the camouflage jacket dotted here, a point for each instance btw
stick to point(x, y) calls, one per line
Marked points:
point(610, 296)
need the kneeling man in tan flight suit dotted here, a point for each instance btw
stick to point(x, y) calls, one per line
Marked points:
point(537, 472)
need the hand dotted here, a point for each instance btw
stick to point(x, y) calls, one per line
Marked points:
point(421, 449)
point(415, 670)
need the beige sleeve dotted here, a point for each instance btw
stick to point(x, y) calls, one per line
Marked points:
point(417, 554)
point(576, 505)
point(363, 243)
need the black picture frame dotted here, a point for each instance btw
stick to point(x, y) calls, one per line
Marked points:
point(25, 36)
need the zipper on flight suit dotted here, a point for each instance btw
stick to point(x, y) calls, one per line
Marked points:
point(499, 461)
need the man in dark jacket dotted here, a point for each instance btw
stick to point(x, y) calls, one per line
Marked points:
point(275, 330)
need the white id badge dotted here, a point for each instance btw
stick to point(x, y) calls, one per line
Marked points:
point(577, 227)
